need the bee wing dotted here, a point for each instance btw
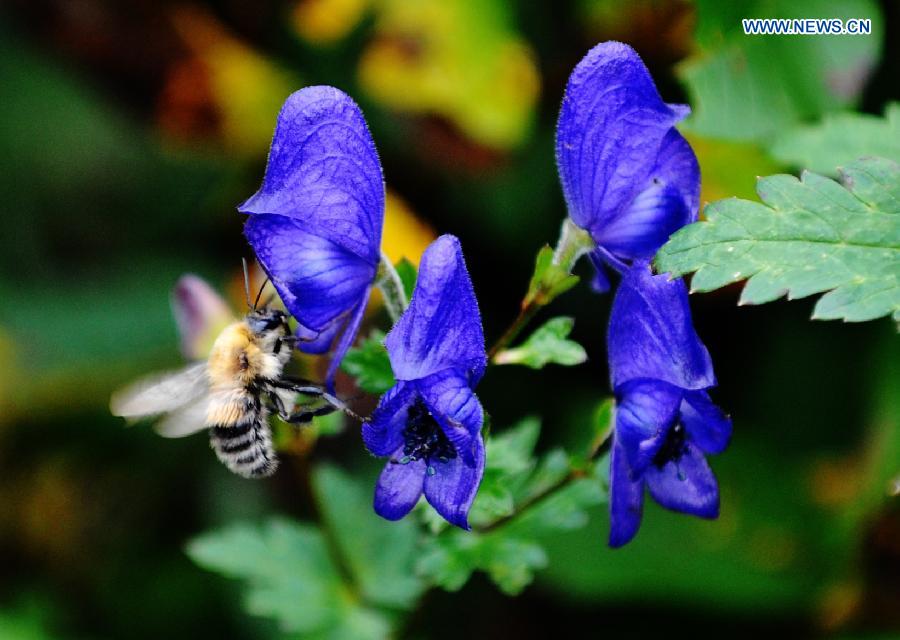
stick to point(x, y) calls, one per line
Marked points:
point(184, 421)
point(161, 393)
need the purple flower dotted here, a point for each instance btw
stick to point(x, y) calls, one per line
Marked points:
point(628, 177)
point(315, 223)
point(429, 422)
point(665, 421)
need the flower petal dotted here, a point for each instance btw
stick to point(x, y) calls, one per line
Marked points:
point(317, 279)
point(610, 128)
point(383, 432)
point(645, 411)
point(706, 424)
point(317, 341)
point(686, 485)
point(626, 499)
point(600, 282)
point(324, 172)
point(399, 487)
point(441, 329)
point(651, 334)
point(451, 489)
point(642, 228)
point(456, 408)
point(677, 166)
point(347, 338)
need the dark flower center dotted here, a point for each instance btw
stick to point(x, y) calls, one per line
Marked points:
point(673, 447)
point(423, 437)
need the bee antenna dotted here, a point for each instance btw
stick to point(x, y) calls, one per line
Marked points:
point(247, 284)
point(268, 300)
point(259, 295)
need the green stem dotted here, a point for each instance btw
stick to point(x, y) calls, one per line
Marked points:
point(388, 281)
point(573, 243)
point(526, 314)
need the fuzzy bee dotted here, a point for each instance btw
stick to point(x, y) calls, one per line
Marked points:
point(231, 394)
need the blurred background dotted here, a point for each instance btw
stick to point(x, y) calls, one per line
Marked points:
point(130, 131)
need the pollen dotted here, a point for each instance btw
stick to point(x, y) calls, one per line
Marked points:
point(423, 438)
point(673, 447)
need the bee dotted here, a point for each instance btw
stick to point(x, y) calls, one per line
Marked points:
point(232, 393)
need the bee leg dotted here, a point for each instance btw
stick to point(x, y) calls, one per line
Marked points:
point(298, 385)
point(278, 405)
point(313, 390)
point(305, 416)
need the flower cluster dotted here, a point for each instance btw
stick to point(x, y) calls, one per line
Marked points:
point(630, 180)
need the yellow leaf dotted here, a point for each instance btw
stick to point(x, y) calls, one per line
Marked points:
point(459, 59)
point(327, 21)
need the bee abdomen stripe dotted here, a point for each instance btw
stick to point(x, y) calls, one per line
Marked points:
point(246, 449)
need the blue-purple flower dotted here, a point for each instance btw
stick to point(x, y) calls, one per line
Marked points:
point(316, 222)
point(628, 177)
point(665, 421)
point(429, 423)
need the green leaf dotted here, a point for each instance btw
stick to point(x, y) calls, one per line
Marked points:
point(811, 235)
point(548, 280)
point(379, 553)
point(406, 270)
point(839, 139)
point(283, 563)
point(548, 344)
point(290, 571)
point(370, 365)
point(601, 429)
point(510, 451)
point(752, 87)
point(449, 560)
point(510, 459)
point(26, 620)
point(509, 550)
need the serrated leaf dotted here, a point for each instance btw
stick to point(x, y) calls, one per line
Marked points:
point(812, 235)
point(284, 563)
point(510, 451)
point(839, 139)
point(379, 553)
point(369, 364)
point(548, 280)
point(510, 459)
point(406, 270)
point(548, 344)
point(547, 492)
point(449, 560)
point(565, 507)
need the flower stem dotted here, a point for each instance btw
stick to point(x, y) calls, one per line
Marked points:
point(388, 281)
point(526, 314)
point(573, 243)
